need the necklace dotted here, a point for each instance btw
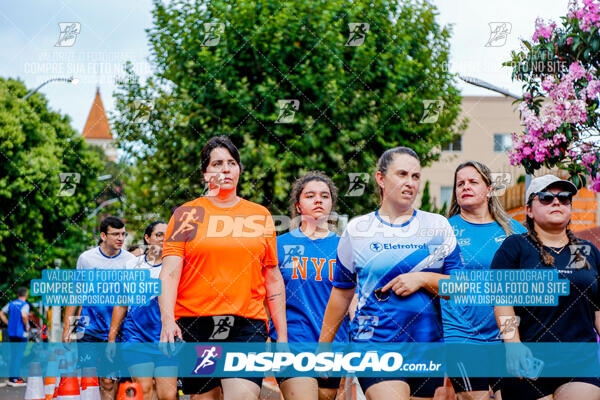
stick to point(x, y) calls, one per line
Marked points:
point(557, 251)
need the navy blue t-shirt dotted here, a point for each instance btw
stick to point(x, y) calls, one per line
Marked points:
point(573, 319)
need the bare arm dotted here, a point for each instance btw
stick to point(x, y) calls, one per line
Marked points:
point(69, 313)
point(352, 308)
point(508, 335)
point(169, 278)
point(276, 300)
point(597, 322)
point(408, 283)
point(116, 320)
point(3, 318)
point(337, 307)
point(25, 318)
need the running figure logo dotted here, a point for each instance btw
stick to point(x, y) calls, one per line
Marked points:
point(223, 324)
point(500, 182)
point(68, 183)
point(579, 253)
point(358, 32)
point(68, 33)
point(499, 32)
point(366, 326)
point(508, 326)
point(212, 33)
point(187, 220)
point(291, 251)
point(207, 356)
point(287, 110)
point(358, 183)
point(431, 111)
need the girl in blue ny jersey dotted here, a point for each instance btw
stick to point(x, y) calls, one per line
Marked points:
point(480, 225)
point(142, 324)
point(307, 257)
point(396, 255)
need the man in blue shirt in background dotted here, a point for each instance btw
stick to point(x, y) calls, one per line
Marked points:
point(18, 329)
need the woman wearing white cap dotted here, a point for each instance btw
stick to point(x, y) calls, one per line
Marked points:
point(549, 244)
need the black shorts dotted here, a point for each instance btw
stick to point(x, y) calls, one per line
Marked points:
point(419, 387)
point(219, 328)
point(324, 383)
point(466, 384)
point(525, 389)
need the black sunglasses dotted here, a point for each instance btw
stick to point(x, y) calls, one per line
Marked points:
point(381, 296)
point(547, 198)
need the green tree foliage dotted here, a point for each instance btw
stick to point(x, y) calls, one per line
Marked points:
point(354, 101)
point(37, 225)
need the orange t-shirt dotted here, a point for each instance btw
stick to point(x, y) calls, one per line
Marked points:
point(224, 251)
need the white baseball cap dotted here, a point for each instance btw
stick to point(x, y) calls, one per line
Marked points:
point(540, 183)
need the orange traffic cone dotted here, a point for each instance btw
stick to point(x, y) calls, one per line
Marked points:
point(68, 388)
point(51, 374)
point(49, 387)
point(90, 389)
point(130, 391)
point(35, 383)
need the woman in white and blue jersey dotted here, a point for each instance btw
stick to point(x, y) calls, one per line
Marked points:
point(142, 324)
point(480, 225)
point(307, 256)
point(396, 255)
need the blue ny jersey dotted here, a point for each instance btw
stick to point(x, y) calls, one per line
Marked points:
point(372, 252)
point(307, 267)
point(95, 320)
point(142, 322)
point(478, 243)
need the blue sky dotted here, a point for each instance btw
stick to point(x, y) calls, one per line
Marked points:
point(112, 32)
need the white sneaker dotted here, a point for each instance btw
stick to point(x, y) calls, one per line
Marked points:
point(16, 382)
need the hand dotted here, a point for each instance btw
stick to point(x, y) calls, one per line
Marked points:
point(405, 284)
point(517, 358)
point(169, 331)
point(111, 349)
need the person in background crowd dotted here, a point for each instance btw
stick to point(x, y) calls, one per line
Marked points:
point(135, 250)
point(141, 323)
point(16, 315)
point(549, 244)
point(94, 322)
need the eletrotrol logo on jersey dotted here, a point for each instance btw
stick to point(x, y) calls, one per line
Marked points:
point(377, 246)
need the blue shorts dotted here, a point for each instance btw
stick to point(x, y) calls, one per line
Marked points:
point(133, 357)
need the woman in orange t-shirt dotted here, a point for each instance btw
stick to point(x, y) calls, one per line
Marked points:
point(219, 266)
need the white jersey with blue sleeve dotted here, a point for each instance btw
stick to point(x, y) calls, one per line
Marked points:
point(95, 320)
point(372, 252)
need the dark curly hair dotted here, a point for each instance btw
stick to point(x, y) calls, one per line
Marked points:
point(301, 182)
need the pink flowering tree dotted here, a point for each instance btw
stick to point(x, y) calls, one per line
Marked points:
point(560, 71)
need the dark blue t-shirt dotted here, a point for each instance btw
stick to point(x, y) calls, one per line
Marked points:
point(573, 319)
